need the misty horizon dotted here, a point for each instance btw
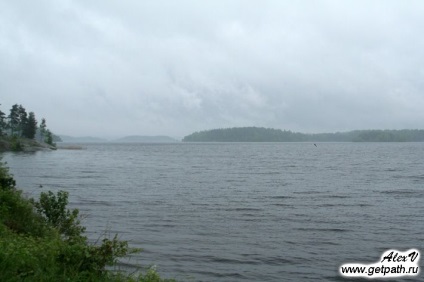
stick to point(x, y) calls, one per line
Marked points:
point(179, 138)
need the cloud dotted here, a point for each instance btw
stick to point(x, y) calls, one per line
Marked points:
point(160, 67)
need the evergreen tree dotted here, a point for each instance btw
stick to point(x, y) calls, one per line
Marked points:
point(30, 127)
point(2, 122)
point(49, 137)
point(13, 119)
point(23, 120)
point(43, 128)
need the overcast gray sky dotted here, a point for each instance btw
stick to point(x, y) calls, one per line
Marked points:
point(115, 68)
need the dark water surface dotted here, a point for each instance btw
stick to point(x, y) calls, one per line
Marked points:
point(242, 211)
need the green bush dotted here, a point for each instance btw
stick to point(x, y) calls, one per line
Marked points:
point(18, 215)
point(44, 241)
point(27, 257)
point(6, 180)
point(16, 212)
point(16, 145)
point(53, 210)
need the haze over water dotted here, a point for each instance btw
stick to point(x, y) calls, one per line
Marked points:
point(242, 211)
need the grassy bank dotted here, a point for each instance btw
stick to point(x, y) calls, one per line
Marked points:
point(42, 240)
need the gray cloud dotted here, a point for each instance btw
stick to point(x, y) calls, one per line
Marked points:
point(113, 68)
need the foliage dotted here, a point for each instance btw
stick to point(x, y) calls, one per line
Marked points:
point(6, 180)
point(42, 129)
point(53, 209)
point(44, 241)
point(30, 127)
point(16, 144)
point(260, 134)
point(13, 119)
point(17, 213)
point(2, 122)
point(22, 120)
point(49, 138)
point(19, 123)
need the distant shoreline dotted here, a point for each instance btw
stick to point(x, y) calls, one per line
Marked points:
point(126, 139)
point(261, 134)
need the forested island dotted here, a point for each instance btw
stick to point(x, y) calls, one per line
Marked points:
point(19, 131)
point(261, 134)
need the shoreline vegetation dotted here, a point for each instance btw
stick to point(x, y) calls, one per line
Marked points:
point(42, 240)
point(20, 144)
point(19, 131)
point(261, 134)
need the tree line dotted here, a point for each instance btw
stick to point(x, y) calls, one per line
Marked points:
point(20, 123)
point(260, 134)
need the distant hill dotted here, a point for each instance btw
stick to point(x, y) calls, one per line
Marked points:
point(85, 139)
point(260, 134)
point(146, 139)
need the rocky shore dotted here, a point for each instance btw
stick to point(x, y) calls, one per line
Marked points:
point(23, 144)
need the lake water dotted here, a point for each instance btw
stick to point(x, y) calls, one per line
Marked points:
point(242, 211)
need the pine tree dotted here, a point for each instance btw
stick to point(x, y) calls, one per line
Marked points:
point(23, 120)
point(49, 137)
point(13, 119)
point(30, 127)
point(2, 122)
point(43, 128)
